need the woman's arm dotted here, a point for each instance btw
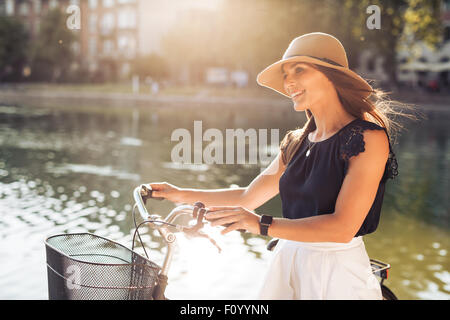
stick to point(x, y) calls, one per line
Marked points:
point(260, 190)
point(226, 196)
point(355, 198)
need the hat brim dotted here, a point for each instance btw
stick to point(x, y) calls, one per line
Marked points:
point(272, 76)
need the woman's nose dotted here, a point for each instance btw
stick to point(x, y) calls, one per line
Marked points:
point(288, 83)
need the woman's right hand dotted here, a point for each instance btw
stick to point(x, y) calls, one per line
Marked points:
point(165, 190)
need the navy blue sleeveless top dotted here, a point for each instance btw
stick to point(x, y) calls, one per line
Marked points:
point(310, 185)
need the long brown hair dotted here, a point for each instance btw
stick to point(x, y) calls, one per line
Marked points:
point(377, 108)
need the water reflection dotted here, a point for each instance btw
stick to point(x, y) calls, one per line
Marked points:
point(73, 170)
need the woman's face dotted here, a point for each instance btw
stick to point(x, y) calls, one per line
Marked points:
point(305, 85)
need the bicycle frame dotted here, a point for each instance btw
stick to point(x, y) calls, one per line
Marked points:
point(141, 194)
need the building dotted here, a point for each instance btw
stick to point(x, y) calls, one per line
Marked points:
point(109, 36)
point(113, 32)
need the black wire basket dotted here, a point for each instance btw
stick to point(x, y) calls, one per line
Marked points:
point(83, 266)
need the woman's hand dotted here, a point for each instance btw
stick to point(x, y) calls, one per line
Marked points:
point(166, 190)
point(237, 217)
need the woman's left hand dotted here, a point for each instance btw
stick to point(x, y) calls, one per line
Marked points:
point(237, 217)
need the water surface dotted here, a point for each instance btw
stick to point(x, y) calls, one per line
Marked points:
point(66, 169)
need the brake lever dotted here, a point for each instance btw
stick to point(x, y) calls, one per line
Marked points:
point(195, 230)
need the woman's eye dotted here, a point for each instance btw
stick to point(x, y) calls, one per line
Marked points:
point(297, 70)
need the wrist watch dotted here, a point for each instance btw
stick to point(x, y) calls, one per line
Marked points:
point(264, 224)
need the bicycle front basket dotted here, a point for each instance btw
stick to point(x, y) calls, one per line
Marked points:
point(83, 266)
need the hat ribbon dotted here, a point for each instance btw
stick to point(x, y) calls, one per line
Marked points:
point(322, 59)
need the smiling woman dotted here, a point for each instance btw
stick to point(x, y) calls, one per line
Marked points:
point(346, 133)
point(343, 150)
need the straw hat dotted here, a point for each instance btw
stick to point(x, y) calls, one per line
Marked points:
point(316, 47)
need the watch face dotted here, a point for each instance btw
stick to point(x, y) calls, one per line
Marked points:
point(266, 219)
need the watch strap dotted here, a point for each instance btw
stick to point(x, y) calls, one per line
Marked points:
point(264, 224)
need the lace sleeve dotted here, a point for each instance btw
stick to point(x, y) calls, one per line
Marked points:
point(352, 143)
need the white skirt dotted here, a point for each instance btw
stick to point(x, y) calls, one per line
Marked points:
point(320, 270)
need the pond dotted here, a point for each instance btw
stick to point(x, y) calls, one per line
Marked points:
point(73, 169)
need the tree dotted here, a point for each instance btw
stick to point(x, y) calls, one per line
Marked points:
point(52, 54)
point(13, 48)
point(403, 22)
point(252, 34)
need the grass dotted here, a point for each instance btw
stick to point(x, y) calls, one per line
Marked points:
point(254, 91)
point(126, 88)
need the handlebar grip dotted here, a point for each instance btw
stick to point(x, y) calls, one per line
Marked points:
point(147, 192)
point(195, 213)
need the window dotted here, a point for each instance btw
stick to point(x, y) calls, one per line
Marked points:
point(107, 23)
point(9, 7)
point(53, 4)
point(93, 4)
point(108, 3)
point(93, 22)
point(126, 19)
point(37, 6)
point(108, 46)
point(127, 46)
point(24, 9)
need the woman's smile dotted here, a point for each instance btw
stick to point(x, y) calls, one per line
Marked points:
point(297, 94)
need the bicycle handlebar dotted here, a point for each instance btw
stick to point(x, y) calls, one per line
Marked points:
point(144, 192)
point(141, 194)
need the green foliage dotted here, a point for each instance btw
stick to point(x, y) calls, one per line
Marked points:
point(13, 49)
point(423, 22)
point(52, 54)
point(399, 27)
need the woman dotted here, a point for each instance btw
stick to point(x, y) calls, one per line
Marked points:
point(330, 174)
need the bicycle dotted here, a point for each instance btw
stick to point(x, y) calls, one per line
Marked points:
point(80, 265)
point(86, 266)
